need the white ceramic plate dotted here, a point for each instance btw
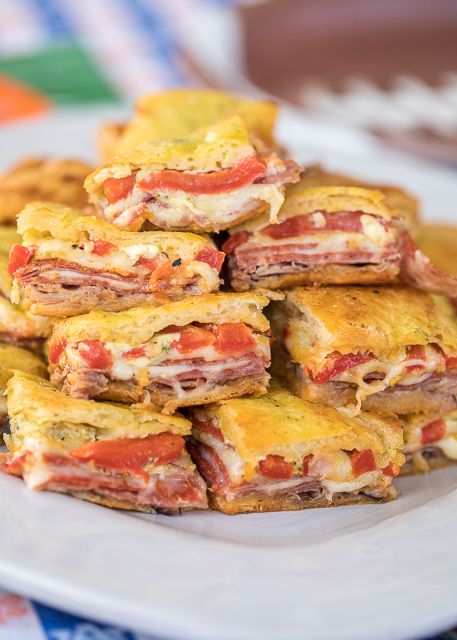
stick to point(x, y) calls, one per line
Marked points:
point(363, 572)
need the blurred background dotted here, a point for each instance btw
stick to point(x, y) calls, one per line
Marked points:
point(383, 69)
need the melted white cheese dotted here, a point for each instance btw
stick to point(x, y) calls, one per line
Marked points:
point(178, 208)
point(448, 446)
point(364, 480)
point(121, 259)
point(36, 472)
point(394, 373)
point(372, 239)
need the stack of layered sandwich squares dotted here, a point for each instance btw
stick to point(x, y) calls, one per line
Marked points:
point(205, 262)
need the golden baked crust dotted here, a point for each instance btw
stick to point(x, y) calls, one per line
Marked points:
point(279, 423)
point(8, 237)
point(42, 220)
point(396, 198)
point(439, 243)
point(177, 113)
point(110, 503)
point(137, 326)
point(20, 326)
point(295, 502)
point(221, 146)
point(329, 199)
point(14, 358)
point(166, 398)
point(38, 409)
point(323, 274)
point(108, 137)
point(42, 179)
point(379, 320)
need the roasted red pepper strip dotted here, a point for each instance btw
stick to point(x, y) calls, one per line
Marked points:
point(118, 188)
point(193, 338)
point(214, 182)
point(276, 467)
point(149, 263)
point(19, 257)
point(305, 466)
point(391, 470)
point(362, 462)
point(131, 454)
point(233, 337)
point(55, 350)
point(433, 432)
point(304, 224)
point(339, 363)
point(103, 247)
point(95, 354)
point(137, 352)
point(211, 256)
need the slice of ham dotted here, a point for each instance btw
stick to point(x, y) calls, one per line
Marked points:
point(250, 262)
point(56, 271)
point(299, 254)
point(188, 374)
point(217, 477)
point(417, 271)
point(175, 487)
point(58, 288)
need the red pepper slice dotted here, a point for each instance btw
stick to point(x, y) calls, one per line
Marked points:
point(149, 263)
point(304, 224)
point(136, 352)
point(131, 454)
point(103, 247)
point(433, 432)
point(391, 470)
point(118, 188)
point(233, 337)
point(193, 338)
point(214, 182)
point(305, 465)
point(211, 256)
point(234, 241)
point(95, 354)
point(19, 257)
point(362, 462)
point(339, 363)
point(276, 467)
point(55, 350)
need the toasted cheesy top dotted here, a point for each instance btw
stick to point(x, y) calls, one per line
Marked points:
point(383, 321)
point(138, 325)
point(219, 147)
point(279, 423)
point(43, 415)
point(177, 113)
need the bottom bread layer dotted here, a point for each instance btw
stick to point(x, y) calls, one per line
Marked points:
point(315, 274)
point(295, 502)
point(163, 396)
